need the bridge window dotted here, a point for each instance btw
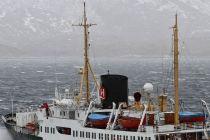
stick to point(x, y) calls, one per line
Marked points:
point(63, 130)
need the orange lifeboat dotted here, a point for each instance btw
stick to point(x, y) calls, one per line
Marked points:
point(130, 122)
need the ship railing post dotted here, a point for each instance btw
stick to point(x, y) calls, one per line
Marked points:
point(87, 113)
point(111, 115)
point(142, 118)
point(116, 116)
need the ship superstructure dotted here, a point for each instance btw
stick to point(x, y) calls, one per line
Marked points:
point(111, 116)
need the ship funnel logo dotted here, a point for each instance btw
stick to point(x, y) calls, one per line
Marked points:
point(102, 93)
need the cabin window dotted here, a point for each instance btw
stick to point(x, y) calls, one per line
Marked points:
point(119, 137)
point(87, 134)
point(63, 130)
point(141, 138)
point(73, 133)
point(149, 138)
point(40, 128)
point(112, 137)
point(100, 136)
point(125, 137)
point(46, 129)
point(93, 135)
point(64, 113)
point(71, 114)
point(76, 133)
point(82, 134)
point(106, 136)
point(53, 130)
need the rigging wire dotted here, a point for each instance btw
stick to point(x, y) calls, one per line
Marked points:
point(170, 67)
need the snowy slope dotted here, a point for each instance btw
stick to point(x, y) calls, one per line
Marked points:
point(41, 27)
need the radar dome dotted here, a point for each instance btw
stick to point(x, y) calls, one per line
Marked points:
point(148, 87)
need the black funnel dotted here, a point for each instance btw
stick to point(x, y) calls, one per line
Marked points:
point(114, 88)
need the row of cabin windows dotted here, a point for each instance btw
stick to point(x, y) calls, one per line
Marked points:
point(48, 130)
point(102, 136)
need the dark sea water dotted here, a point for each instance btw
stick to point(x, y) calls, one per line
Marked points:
point(32, 81)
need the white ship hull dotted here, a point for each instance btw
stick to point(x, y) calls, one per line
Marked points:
point(49, 130)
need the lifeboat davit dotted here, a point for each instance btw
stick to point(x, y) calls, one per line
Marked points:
point(189, 117)
point(98, 120)
point(130, 122)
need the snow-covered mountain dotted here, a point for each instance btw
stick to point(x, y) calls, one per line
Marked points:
point(125, 27)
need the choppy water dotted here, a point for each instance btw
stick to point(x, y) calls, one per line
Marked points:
point(32, 81)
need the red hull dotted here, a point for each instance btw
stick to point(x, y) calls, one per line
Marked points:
point(192, 119)
point(98, 124)
point(130, 122)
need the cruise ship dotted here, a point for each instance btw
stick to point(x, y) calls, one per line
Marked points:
point(109, 113)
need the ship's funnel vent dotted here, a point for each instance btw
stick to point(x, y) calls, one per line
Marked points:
point(137, 96)
point(114, 88)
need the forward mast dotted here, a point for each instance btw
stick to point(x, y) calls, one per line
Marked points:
point(87, 67)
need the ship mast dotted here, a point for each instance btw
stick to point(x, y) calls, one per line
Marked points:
point(176, 72)
point(86, 67)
